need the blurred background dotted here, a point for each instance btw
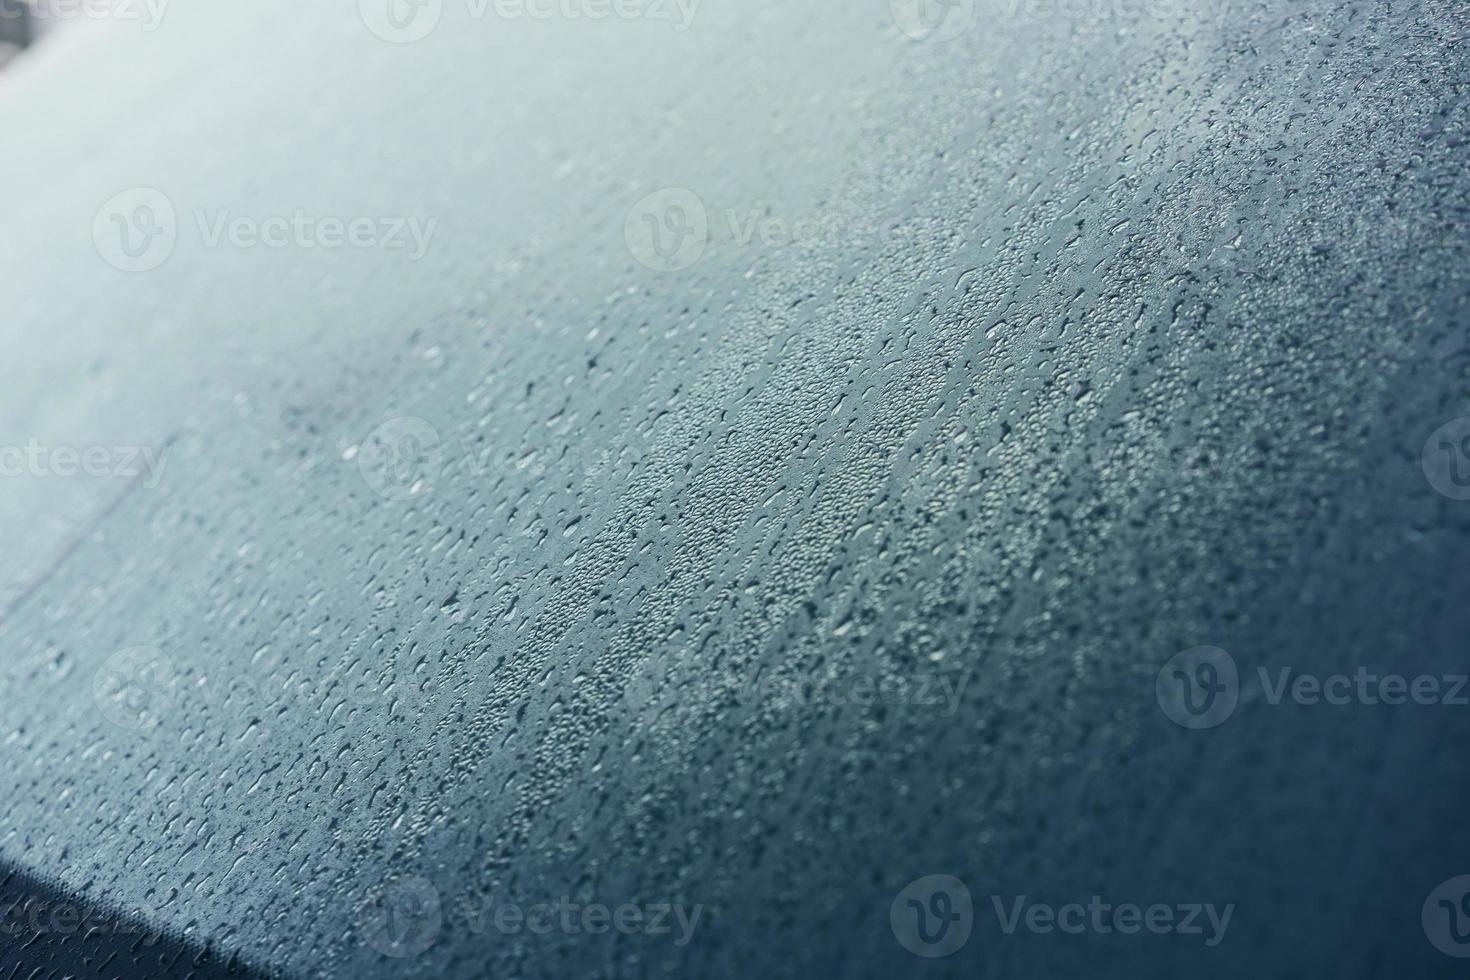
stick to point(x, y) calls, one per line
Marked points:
point(15, 28)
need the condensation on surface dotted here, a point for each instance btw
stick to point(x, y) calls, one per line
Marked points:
point(1107, 336)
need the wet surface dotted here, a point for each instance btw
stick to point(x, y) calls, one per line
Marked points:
point(730, 466)
point(43, 928)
